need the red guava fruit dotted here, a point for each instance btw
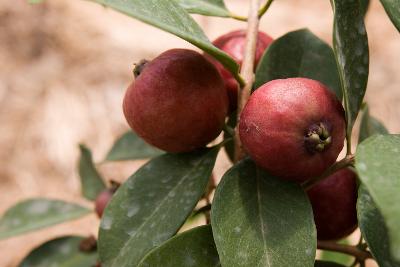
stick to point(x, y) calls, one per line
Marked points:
point(334, 205)
point(178, 102)
point(102, 200)
point(294, 128)
point(233, 43)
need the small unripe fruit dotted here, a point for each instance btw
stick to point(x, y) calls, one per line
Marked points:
point(294, 128)
point(233, 43)
point(334, 205)
point(102, 200)
point(178, 101)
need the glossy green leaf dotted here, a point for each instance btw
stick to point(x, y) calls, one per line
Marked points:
point(260, 220)
point(364, 6)
point(299, 54)
point(230, 145)
point(171, 17)
point(130, 146)
point(91, 181)
point(215, 8)
point(60, 252)
point(377, 164)
point(370, 219)
point(373, 229)
point(34, 214)
point(350, 43)
point(152, 204)
point(370, 126)
point(392, 8)
point(327, 264)
point(194, 248)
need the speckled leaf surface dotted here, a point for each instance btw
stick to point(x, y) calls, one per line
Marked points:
point(299, 54)
point(60, 252)
point(34, 214)
point(370, 126)
point(130, 147)
point(374, 230)
point(370, 219)
point(327, 264)
point(392, 8)
point(377, 164)
point(260, 220)
point(171, 17)
point(152, 204)
point(194, 248)
point(91, 181)
point(350, 43)
point(215, 8)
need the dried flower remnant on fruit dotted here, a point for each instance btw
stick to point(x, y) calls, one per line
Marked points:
point(139, 67)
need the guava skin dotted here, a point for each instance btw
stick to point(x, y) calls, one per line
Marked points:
point(233, 43)
point(276, 122)
point(334, 205)
point(102, 200)
point(178, 102)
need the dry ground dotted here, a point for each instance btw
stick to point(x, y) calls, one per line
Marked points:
point(64, 68)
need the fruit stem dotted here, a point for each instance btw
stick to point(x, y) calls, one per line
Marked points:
point(237, 17)
point(344, 163)
point(359, 254)
point(265, 8)
point(247, 70)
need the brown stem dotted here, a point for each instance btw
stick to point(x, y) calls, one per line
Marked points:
point(346, 162)
point(359, 254)
point(247, 70)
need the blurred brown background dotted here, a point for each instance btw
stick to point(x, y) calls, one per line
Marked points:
point(64, 67)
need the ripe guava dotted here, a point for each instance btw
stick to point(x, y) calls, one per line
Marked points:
point(334, 205)
point(293, 128)
point(102, 200)
point(233, 43)
point(178, 102)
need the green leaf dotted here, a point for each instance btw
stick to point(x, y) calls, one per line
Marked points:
point(373, 229)
point(230, 145)
point(194, 248)
point(91, 181)
point(214, 8)
point(327, 264)
point(364, 6)
point(152, 204)
point(34, 214)
point(129, 147)
point(377, 164)
point(370, 219)
point(60, 252)
point(392, 8)
point(370, 126)
point(170, 17)
point(337, 257)
point(260, 220)
point(350, 43)
point(299, 54)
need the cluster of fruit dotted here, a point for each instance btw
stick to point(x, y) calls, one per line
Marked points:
point(293, 128)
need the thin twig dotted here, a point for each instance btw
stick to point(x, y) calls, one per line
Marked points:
point(361, 255)
point(247, 70)
point(265, 8)
point(346, 162)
